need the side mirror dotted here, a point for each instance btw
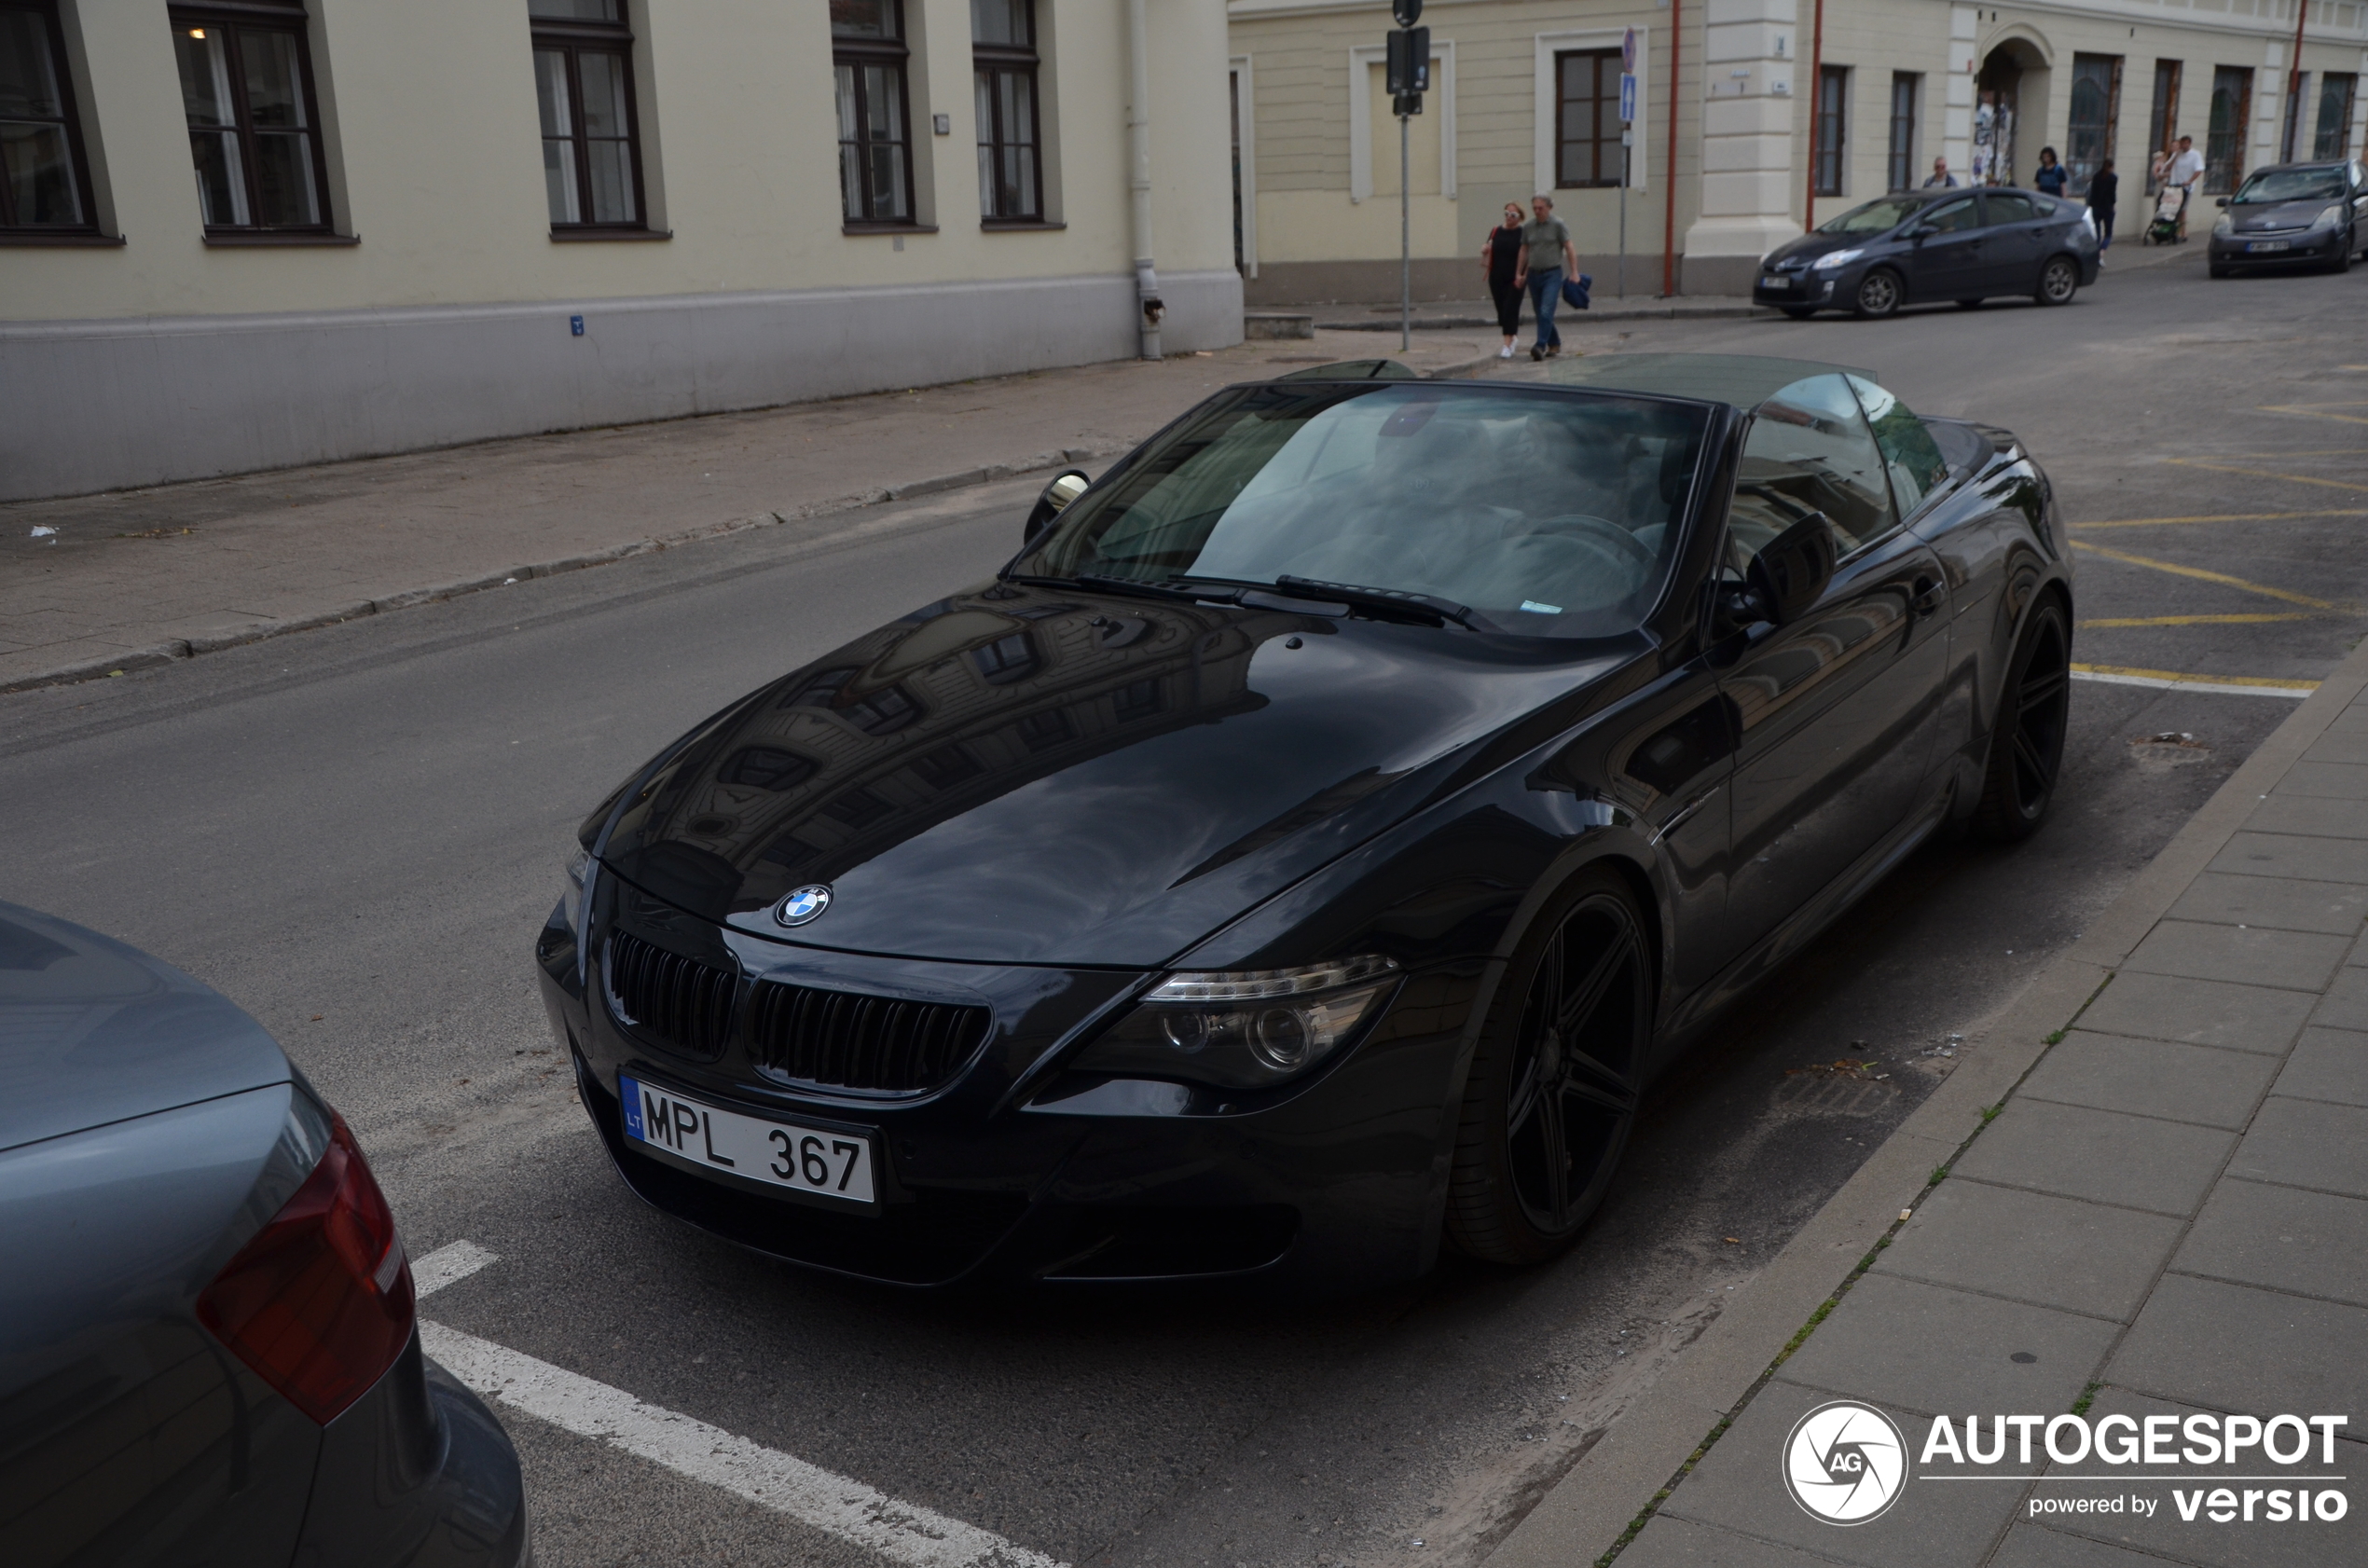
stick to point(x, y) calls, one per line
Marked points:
point(1065, 489)
point(2222, 202)
point(1792, 569)
point(1924, 231)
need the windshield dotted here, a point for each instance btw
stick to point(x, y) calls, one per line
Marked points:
point(1548, 513)
point(1875, 217)
point(2294, 184)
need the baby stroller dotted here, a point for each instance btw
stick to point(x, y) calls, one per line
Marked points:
point(2163, 229)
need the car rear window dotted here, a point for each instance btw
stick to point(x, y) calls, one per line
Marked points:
point(1548, 513)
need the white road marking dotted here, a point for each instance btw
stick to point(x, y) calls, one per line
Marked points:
point(2293, 693)
point(808, 1493)
point(446, 1265)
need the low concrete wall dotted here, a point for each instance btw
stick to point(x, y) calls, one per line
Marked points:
point(1375, 283)
point(97, 406)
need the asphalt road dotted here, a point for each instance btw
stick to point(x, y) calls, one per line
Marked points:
point(355, 831)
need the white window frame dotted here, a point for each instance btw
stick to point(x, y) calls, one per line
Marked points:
point(1361, 61)
point(1548, 101)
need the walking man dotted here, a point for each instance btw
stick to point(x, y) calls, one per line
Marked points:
point(2104, 188)
point(1548, 256)
point(1941, 177)
point(2184, 171)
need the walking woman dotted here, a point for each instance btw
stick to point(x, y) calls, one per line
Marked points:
point(1500, 260)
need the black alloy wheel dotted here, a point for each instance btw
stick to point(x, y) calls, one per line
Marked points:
point(1879, 295)
point(2059, 280)
point(2027, 744)
point(1553, 1087)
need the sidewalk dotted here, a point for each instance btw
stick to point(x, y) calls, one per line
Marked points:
point(1479, 314)
point(2144, 1194)
point(137, 578)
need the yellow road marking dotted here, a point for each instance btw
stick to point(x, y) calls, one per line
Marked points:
point(2186, 680)
point(2310, 413)
point(2221, 517)
point(2265, 474)
point(2194, 620)
point(2202, 576)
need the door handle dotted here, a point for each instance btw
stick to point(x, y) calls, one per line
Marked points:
point(1928, 597)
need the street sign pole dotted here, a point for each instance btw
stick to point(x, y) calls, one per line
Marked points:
point(1627, 141)
point(1405, 237)
point(1408, 75)
point(1623, 211)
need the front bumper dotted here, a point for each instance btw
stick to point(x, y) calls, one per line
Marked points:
point(1797, 289)
point(1016, 1171)
point(2236, 250)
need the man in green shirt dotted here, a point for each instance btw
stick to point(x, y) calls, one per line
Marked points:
point(1548, 256)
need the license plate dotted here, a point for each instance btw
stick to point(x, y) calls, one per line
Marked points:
point(1775, 285)
point(822, 1161)
point(2257, 246)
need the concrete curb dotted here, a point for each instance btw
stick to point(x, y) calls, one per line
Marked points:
point(1641, 1456)
point(157, 654)
point(1606, 312)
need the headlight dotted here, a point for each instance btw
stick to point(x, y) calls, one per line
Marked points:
point(1244, 1029)
point(1834, 260)
point(2226, 225)
point(579, 869)
point(2329, 217)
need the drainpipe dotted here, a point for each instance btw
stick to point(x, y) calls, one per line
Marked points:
point(1816, 101)
point(2294, 88)
point(1138, 153)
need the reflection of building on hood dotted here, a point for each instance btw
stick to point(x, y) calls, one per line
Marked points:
point(963, 700)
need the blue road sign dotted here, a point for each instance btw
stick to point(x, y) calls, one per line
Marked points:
point(1627, 96)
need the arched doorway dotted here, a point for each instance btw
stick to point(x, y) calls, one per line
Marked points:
point(2010, 109)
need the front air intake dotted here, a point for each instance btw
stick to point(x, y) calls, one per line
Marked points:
point(681, 1003)
point(841, 1039)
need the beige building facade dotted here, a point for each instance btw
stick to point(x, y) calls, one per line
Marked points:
point(444, 220)
point(1720, 169)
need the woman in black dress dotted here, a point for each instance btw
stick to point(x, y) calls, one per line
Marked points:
point(1500, 258)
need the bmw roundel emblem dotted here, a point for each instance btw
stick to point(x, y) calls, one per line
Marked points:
point(803, 905)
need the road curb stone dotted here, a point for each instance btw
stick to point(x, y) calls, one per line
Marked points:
point(1644, 1453)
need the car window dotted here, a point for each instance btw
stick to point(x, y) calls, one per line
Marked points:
point(1875, 217)
point(1808, 450)
point(2008, 207)
point(1953, 216)
point(1910, 455)
point(1548, 513)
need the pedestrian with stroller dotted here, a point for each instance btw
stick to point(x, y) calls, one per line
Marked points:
point(2182, 173)
point(1548, 256)
point(2104, 188)
point(2050, 179)
point(1500, 264)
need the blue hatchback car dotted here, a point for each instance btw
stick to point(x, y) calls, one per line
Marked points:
point(1920, 246)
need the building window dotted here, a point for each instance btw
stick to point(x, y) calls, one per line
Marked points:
point(1587, 117)
point(2232, 107)
point(2336, 91)
point(876, 143)
point(1006, 659)
point(1833, 98)
point(246, 85)
point(2095, 106)
point(2162, 123)
point(40, 143)
point(583, 88)
point(1011, 164)
point(1900, 166)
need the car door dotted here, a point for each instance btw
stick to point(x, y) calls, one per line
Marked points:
point(2013, 238)
point(1836, 710)
point(1946, 263)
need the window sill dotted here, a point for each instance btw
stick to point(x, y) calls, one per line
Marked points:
point(888, 229)
point(589, 236)
point(1022, 226)
point(36, 237)
point(246, 241)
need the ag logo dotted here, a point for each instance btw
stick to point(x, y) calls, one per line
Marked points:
point(803, 905)
point(1845, 1462)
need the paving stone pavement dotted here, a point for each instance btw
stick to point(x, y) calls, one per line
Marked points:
point(2167, 1217)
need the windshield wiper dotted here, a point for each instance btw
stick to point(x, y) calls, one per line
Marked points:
point(1172, 588)
point(1390, 603)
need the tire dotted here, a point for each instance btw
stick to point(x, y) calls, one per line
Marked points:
point(1544, 1122)
point(1969, 305)
point(1879, 295)
point(1799, 312)
point(2343, 258)
point(2059, 280)
point(2027, 741)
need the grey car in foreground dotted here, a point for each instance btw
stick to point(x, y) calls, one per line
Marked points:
point(208, 1352)
point(2312, 214)
point(1914, 247)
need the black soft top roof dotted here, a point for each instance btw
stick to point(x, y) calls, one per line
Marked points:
point(1746, 380)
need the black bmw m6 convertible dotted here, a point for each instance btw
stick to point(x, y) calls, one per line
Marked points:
point(1306, 851)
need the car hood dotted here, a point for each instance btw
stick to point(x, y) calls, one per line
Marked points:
point(92, 1031)
point(2276, 215)
point(1809, 246)
point(1011, 775)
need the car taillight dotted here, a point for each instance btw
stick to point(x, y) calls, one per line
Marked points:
point(320, 1302)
